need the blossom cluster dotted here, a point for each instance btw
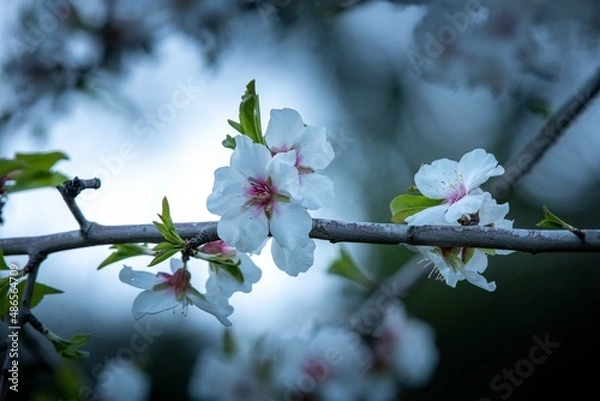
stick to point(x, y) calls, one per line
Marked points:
point(272, 182)
point(453, 188)
point(269, 188)
point(330, 363)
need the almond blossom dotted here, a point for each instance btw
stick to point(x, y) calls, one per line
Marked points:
point(257, 196)
point(456, 183)
point(164, 291)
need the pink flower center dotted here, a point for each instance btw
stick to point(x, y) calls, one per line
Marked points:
point(179, 282)
point(261, 194)
point(457, 194)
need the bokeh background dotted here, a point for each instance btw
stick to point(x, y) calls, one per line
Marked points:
point(397, 83)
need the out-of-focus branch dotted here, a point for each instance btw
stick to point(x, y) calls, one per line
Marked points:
point(555, 127)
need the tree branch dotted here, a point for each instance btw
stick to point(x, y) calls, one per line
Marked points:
point(69, 191)
point(526, 240)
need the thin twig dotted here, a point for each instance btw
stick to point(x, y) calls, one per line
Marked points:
point(69, 191)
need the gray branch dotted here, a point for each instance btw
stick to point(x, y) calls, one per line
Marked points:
point(526, 240)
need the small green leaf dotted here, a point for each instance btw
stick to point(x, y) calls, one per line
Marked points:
point(32, 170)
point(37, 179)
point(39, 292)
point(233, 268)
point(70, 348)
point(405, 205)
point(10, 294)
point(249, 115)
point(229, 142)
point(124, 251)
point(167, 228)
point(8, 165)
point(162, 256)
point(553, 221)
point(41, 161)
point(345, 267)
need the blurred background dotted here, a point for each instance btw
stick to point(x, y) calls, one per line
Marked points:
point(139, 93)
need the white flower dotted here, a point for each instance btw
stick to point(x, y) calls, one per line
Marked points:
point(230, 271)
point(457, 183)
point(122, 380)
point(456, 264)
point(286, 131)
point(406, 346)
point(164, 291)
point(256, 196)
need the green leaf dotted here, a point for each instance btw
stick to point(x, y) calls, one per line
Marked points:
point(345, 267)
point(249, 114)
point(32, 170)
point(405, 205)
point(233, 268)
point(41, 161)
point(70, 348)
point(553, 221)
point(37, 179)
point(124, 251)
point(229, 142)
point(3, 265)
point(162, 256)
point(167, 228)
point(39, 292)
point(236, 126)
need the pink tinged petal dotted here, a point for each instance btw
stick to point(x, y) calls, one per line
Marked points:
point(476, 167)
point(245, 229)
point(290, 225)
point(215, 304)
point(467, 205)
point(251, 159)
point(293, 261)
point(438, 179)
point(139, 279)
point(316, 191)
point(218, 247)
point(314, 151)
point(228, 190)
point(153, 302)
point(434, 215)
point(282, 130)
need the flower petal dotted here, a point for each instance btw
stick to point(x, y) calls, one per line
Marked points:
point(152, 302)
point(251, 159)
point(314, 151)
point(290, 225)
point(284, 176)
point(293, 261)
point(476, 167)
point(433, 215)
point(244, 228)
point(215, 304)
point(316, 191)
point(220, 280)
point(467, 205)
point(139, 279)
point(283, 128)
point(228, 190)
point(438, 179)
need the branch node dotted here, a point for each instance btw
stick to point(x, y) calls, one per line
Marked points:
point(69, 190)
